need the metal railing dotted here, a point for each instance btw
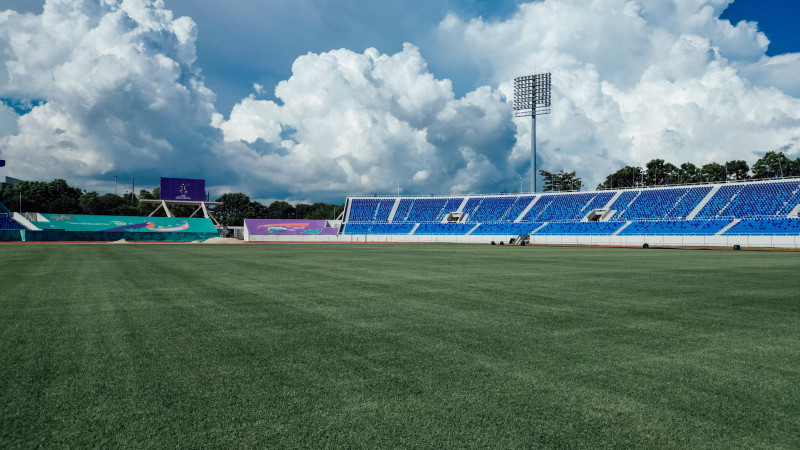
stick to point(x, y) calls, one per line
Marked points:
point(567, 191)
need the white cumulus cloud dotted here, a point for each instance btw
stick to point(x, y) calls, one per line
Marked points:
point(359, 122)
point(92, 89)
point(637, 80)
point(117, 91)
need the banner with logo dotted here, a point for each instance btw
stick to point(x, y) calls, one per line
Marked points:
point(288, 227)
point(183, 189)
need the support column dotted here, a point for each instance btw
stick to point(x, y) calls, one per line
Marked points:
point(533, 153)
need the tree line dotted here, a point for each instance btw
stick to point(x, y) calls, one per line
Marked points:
point(59, 197)
point(658, 172)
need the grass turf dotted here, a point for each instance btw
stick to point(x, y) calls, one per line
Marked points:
point(397, 346)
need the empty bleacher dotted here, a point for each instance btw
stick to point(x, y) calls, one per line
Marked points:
point(580, 228)
point(566, 207)
point(675, 227)
point(765, 227)
point(7, 223)
point(752, 200)
point(764, 208)
point(10, 229)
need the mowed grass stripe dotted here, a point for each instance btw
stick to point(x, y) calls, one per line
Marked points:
point(397, 346)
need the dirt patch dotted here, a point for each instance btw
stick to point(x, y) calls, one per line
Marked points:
point(221, 240)
point(121, 241)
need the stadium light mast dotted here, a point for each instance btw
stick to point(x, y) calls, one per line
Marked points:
point(532, 98)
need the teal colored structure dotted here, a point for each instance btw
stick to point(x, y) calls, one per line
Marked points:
point(77, 227)
point(89, 236)
point(11, 235)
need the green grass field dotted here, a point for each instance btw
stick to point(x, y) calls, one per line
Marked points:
point(397, 346)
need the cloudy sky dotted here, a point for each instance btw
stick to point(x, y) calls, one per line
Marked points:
point(313, 100)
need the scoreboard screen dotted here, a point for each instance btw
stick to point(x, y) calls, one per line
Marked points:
point(183, 189)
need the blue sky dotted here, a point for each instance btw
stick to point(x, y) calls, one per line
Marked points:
point(276, 32)
point(283, 100)
point(244, 42)
point(778, 19)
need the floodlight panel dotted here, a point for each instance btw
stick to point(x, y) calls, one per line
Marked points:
point(532, 95)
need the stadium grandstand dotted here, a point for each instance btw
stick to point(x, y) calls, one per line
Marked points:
point(77, 227)
point(10, 229)
point(74, 227)
point(756, 213)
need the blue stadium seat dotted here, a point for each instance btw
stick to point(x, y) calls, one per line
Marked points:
point(753, 200)
point(675, 227)
point(7, 223)
point(765, 227)
point(580, 228)
point(637, 212)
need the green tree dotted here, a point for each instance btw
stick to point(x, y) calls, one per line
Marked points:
point(234, 209)
point(659, 173)
point(39, 196)
point(560, 181)
point(689, 173)
point(280, 209)
point(738, 170)
point(90, 203)
point(303, 210)
point(628, 176)
point(713, 173)
point(775, 164)
point(320, 211)
point(110, 204)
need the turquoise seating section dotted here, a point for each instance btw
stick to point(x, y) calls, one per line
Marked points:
point(128, 224)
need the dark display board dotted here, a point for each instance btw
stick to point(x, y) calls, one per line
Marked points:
point(183, 189)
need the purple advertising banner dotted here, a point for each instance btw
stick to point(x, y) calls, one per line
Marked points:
point(288, 227)
point(183, 189)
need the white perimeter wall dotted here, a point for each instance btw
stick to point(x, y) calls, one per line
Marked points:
point(637, 241)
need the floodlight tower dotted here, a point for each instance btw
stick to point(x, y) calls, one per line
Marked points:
point(532, 98)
